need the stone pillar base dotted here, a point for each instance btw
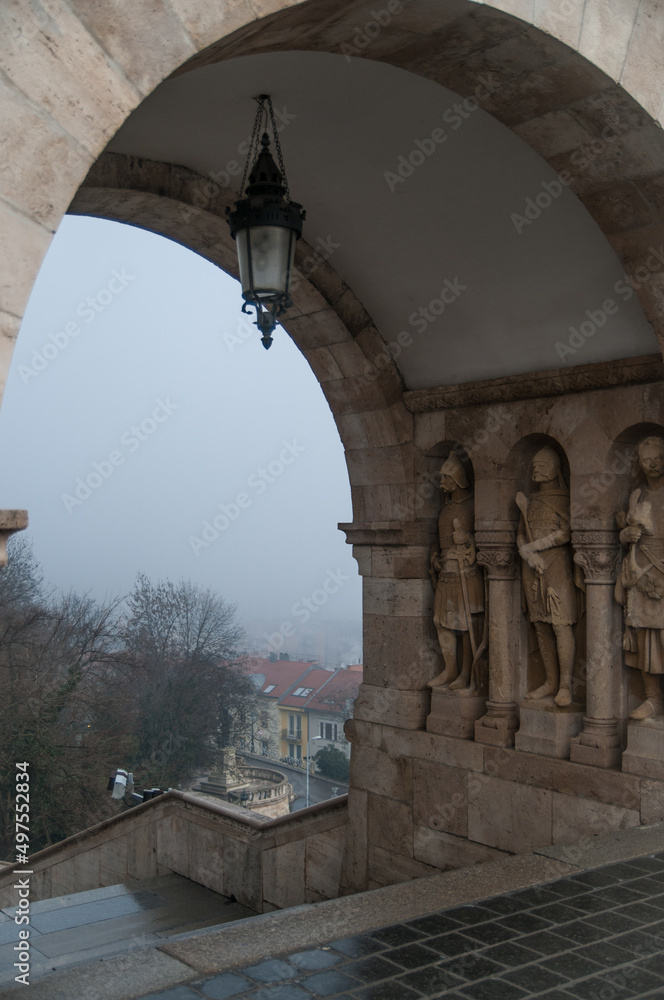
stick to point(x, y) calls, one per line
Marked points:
point(454, 714)
point(546, 729)
point(598, 744)
point(498, 726)
point(645, 748)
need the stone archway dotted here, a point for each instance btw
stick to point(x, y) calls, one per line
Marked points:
point(556, 89)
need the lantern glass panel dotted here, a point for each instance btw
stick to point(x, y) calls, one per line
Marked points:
point(265, 254)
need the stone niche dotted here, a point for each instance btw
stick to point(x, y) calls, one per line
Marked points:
point(433, 787)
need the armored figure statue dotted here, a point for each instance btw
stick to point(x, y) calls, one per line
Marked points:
point(548, 576)
point(458, 582)
point(641, 585)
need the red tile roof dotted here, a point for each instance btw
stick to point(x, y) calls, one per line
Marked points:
point(343, 686)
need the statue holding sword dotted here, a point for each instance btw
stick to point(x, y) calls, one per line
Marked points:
point(458, 583)
point(543, 541)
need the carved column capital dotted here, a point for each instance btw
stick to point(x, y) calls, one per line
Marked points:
point(497, 552)
point(597, 553)
point(10, 521)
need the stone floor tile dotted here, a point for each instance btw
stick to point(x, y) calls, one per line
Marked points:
point(595, 878)
point(629, 892)
point(413, 956)
point(623, 870)
point(611, 922)
point(583, 932)
point(545, 943)
point(566, 887)
point(643, 912)
point(649, 863)
point(494, 989)
point(640, 943)
point(556, 995)
point(272, 971)
point(388, 991)
point(471, 914)
point(178, 993)
point(596, 989)
point(654, 964)
point(370, 970)
point(472, 967)
point(557, 913)
point(357, 946)
point(491, 933)
point(329, 983)
point(451, 945)
point(436, 923)
point(536, 896)
point(431, 981)
point(225, 986)
point(503, 905)
point(525, 922)
point(397, 934)
point(591, 903)
point(633, 980)
point(606, 953)
point(283, 991)
point(572, 966)
point(511, 955)
point(534, 978)
point(314, 960)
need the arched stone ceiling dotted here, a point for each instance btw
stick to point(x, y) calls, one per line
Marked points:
point(512, 287)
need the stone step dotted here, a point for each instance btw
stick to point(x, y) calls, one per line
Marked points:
point(90, 926)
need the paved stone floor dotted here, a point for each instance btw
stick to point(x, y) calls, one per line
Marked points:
point(595, 935)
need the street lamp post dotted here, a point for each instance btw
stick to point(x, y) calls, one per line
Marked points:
point(310, 740)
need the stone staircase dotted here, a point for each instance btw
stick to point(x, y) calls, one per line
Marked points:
point(97, 924)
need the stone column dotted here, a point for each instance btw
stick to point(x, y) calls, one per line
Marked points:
point(596, 552)
point(496, 551)
point(10, 521)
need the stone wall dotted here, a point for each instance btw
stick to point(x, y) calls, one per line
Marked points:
point(525, 775)
point(265, 864)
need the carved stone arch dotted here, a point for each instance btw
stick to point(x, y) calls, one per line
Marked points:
point(329, 325)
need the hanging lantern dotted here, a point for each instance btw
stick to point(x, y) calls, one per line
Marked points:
point(265, 225)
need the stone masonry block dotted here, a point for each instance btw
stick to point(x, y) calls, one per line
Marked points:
point(652, 801)
point(173, 843)
point(381, 773)
point(67, 73)
point(390, 825)
point(508, 816)
point(284, 874)
point(401, 598)
point(206, 857)
point(405, 709)
point(444, 851)
point(208, 22)
point(386, 868)
point(574, 818)
point(324, 855)
point(24, 243)
point(243, 865)
point(399, 652)
point(125, 38)
point(440, 798)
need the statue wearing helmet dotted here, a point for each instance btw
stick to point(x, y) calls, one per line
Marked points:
point(543, 541)
point(457, 579)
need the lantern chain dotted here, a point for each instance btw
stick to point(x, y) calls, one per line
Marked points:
point(277, 146)
point(253, 144)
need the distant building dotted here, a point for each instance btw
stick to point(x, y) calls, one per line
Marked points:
point(298, 701)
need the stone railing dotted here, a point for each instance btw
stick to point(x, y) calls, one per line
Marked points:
point(264, 863)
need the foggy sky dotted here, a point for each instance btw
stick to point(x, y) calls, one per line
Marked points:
point(138, 411)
